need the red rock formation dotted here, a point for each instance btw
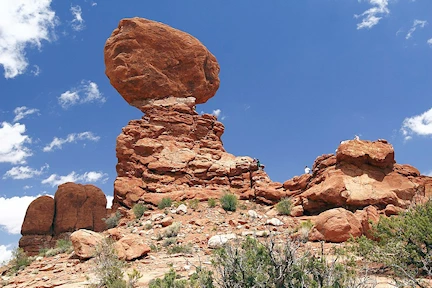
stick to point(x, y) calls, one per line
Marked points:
point(39, 217)
point(172, 151)
point(74, 206)
point(147, 60)
point(79, 207)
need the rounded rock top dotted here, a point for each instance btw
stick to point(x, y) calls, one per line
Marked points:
point(147, 61)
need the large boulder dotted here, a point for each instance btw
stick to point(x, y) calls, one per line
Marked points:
point(147, 60)
point(131, 247)
point(85, 243)
point(39, 217)
point(336, 225)
point(79, 207)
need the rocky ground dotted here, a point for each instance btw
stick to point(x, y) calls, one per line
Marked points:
point(198, 228)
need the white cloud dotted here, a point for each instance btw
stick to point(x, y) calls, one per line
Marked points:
point(87, 177)
point(429, 42)
point(216, 112)
point(373, 15)
point(429, 173)
point(416, 23)
point(109, 201)
point(23, 24)
point(78, 21)
point(5, 254)
point(13, 212)
point(12, 144)
point(419, 124)
point(36, 70)
point(24, 172)
point(57, 143)
point(27, 187)
point(21, 112)
point(86, 92)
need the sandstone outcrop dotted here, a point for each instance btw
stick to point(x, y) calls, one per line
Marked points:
point(172, 151)
point(85, 243)
point(147, 60)
point(74, 206)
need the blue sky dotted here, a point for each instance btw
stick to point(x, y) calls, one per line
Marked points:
point(297, 77)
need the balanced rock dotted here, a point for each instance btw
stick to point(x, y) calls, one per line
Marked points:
point(147, 61)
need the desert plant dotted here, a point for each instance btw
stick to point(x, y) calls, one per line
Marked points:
point(404, 243)
point(169, 241)
point(138, 210)
point(185, 249)
point(112, 221)
point(193, 204)
point(108, 267)
point(172, 230)
point(284, 206)
point(19, 260)
point(229, 202)
point(211, 202)
point(165, 203)
point(62, 246)
point(202, 278)
point(133, 277)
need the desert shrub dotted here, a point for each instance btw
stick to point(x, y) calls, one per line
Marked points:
point(284, 206)
point(202, 278)
point(193, 204)
point(169, 241)
point(148, 226)
point(133, 277)
point(185, 249)
point(211, 202)
point(229, 202)
point(62, 246)
point(165, 203)
point(138, 210)
point(172, 230)
point(256, 264)
point(112, 221)
point(19, 260)
point(404, 243)
point(108, 267)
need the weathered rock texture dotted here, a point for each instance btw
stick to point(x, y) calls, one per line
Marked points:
point(172, 151)
point(74, 206)
point(147, 60)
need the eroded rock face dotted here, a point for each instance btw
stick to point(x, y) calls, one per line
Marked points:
point(74, 206)
point(147, 60)
point(79, 207)
point(39, 217)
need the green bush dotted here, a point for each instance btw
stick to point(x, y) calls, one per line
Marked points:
point(138, 210)
point(113, 221)
point(62, 246)
point(229, 202)
point(19, 260)
point(404, 243)
point(211, 202)
point(193, 204)
point(169, 241)
point(185, 249)
point(201, 278)
point(284, 206)
point(165, 203)
point(108, 267)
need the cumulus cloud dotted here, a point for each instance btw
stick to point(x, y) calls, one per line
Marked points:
point(23, 111)
point(23, 24)
point(24, 172)
point(86, 92)
point(78, 21)
point(429, 42)
point(416, 23)
point(12, 144)
point(57, 143)
point(216, 112)
point(88, 177)
point(5, 254)
point(418, 125)
point(13, 212)
point(373, 15)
